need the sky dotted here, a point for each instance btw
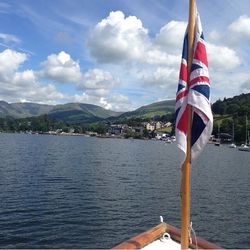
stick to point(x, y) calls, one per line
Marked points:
point(117, 54)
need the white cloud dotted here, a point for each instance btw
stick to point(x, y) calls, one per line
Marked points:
point(97, 92)
point(237, 34)
point(10, 61)
point(158, 57)
point(22, 78)
point(118, 39)
point(22, 85)
point(150, 62)
point(96, 79)
point(25, 86)
point(171, 35)
point(224, 84)
point(104, 103)
point(241, 27)
point(147, 64)
point(245, 86)
point(120, 102)
point(61, 68)
point(214, 35)
point(116, 102)
point(46, 94)
point(8, 38)
point(96, 84)
point(161, 77)
point(222, 58)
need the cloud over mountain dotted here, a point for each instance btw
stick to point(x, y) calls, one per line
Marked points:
point(61, 68)
point(117, 58)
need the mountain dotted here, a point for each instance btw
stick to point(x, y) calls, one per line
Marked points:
point(22, 110)
point(149, 111)
point(75, 113)
point(70, 112)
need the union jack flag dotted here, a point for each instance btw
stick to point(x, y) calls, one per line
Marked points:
point(194, 91)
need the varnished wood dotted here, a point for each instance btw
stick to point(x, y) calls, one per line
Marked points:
point(186, 167)
point(156, 232)
point(143, 239)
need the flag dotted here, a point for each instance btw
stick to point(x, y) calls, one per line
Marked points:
point(194, 91)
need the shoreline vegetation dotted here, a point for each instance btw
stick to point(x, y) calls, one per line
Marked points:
point(152, 121)
point(158, 128)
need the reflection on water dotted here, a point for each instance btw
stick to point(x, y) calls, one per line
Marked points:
point(77, 192)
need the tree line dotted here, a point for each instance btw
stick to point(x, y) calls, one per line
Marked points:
point(228, 113)
point(231, 113)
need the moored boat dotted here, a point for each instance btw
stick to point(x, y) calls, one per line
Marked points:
point(168, 140)
point(244, 147)
point(232, 145)
point(217, 143)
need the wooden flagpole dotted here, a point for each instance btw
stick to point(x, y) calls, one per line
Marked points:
point(186, 167)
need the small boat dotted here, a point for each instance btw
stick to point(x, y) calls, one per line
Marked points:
point(244, 147)
point(173, 138)
point(168, 140)
point(232, 145)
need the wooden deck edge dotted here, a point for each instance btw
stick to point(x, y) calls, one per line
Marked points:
point(143, 239)
point(156, 232)
point(175, 234)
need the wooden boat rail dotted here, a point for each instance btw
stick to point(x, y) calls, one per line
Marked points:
point(156, 232)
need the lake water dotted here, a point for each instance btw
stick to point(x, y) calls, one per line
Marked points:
point(78, 192)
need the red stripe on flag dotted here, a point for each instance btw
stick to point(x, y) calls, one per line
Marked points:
point(183, 122)
point(181, 95)
point(183, 72)
point(200, 53)
point(199, 79)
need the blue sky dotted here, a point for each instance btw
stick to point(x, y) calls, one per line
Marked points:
point(118, 54)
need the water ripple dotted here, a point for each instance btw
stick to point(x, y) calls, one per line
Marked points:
point(77, 192)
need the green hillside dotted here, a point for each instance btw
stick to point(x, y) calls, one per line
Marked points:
point(75, 113)
point(237, 105)
point(22, 110)
point(227, 112)
point(232, 112)
point(150, 111)
point(70, 112)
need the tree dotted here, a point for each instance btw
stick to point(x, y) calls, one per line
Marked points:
point(226, 126)
point(145, 133)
